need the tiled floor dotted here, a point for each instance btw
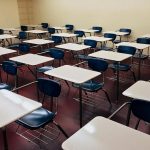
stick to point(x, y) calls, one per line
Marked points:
point(68, 112)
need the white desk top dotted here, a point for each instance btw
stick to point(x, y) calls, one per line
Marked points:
point(33, 25)
point(59, 28)
point(139, 90)
point(14, 106)
point(98, 39)
point(73, 74)
point(31, 59)
point(4, 51)
point(66, 35)
point(88, 30)
point(72, 46)
point(104, 134)
point(117, 33)
point(114, 56)
point(6, 36)
point(37, 31)
point(38, 41)
point(11, 29)
point(136, 45)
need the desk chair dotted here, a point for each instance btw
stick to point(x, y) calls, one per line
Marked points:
point(80, 34)
point(24, 28)
point(44, 25)
point(57, 39)
point(139, 108)
point(69, 27)
point(113, 37)
point(124, 67)
point(40, 118)
point(1, 31)
point(94, 86)
point(97, 28)
point(87, 42)
point(10, 68)
point(127, 35)
point(51, 31)
point(23, 48)
point(139, 54)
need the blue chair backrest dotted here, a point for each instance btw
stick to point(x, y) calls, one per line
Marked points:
point(141, 109)
point(56, 53)
point(24, 48)
point(51, 30)
point(110, 35)
point(24, 28)
point(69, 27)
point(125, 30)
point(97, 64)
point(91, 43)
point(1, 31)
point(49, 87)
point(79, 33)
point(97, 28)
point(56, 39)
point(127, 50)
point(22, 35)
point(9, 67)
point(143, 40)
point(44, 25)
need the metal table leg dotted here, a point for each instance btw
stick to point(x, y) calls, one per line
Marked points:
point(118, 81)
point(80, 105)
point(5, 138)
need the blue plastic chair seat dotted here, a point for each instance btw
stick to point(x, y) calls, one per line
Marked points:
point(5, 86)
point(36, 119)
point(121, 67)
point(13, 46)
point(90, 86)
point(44, 69)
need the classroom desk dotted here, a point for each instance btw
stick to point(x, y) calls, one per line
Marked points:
point(5, 51)
point(113, 56)
point(11, 30)
point(6, 37)
point(65, 35)
point(104, 134)
point(146, 36)
point(39, 42)
point(76, 75)
point(90, 31)
point(97, 39)
point(139, 90)
point(73, 47)
point(37, 32)
point(32, 60)
point(59, 28)
point(33, 26)
point(138, 46)
point(13, 107)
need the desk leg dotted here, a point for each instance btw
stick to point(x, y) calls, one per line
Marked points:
point(80, 98)
point(118, 81)
point(139, 67)
point(5, 138)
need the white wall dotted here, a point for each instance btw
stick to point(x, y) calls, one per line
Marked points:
point(9, 16)
point(110, 14)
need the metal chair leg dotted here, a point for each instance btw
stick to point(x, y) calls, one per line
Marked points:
point(107, 96)
point(137, 124)
point(133, 75)
point(61, 129)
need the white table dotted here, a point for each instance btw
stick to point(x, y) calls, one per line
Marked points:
point(59, 28)
point(138, 46)
point(6, 37)
point(139, 90)
point(32, 60)
point(11, 30)
point(146, 36)
point(65, 35)
point(37, 32)
point(4, 51)
point(39, 42)
point(76, 75)
point(104, 134)
point(90, 31)
point(13, 107)
point(113, 56)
